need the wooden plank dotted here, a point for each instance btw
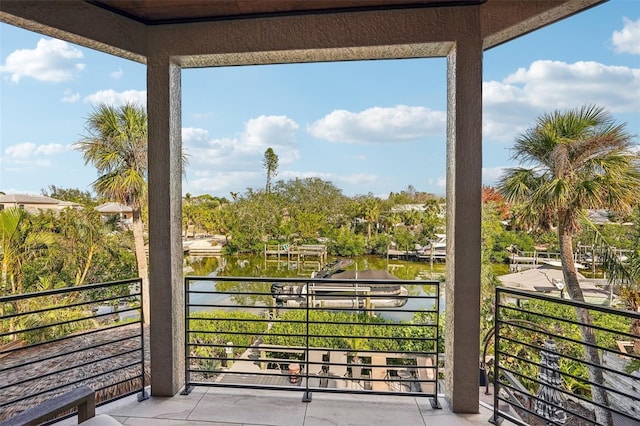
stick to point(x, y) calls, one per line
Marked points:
point(83, 398)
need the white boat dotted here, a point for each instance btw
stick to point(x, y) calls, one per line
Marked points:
point(558, 264)
point(437, 247)
point(361, 292)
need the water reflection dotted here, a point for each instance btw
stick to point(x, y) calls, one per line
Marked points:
point(254, 266)
point(248, 266)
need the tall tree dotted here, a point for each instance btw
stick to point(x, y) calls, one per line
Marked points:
point(370, 209)
point(116, 144)
point(270, 164)
point(19, 243)
point(577, 159)
point(74, 195)
point(188, 214)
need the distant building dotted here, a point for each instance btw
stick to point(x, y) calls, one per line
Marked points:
point(34, 203)
point(403, 208)
point(604, 217)
point(122, 212)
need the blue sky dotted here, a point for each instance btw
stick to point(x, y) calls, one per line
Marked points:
point(368, 127)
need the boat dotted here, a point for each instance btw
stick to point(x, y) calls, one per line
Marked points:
point(359, 292)
point(437, 247)
point(558, 264)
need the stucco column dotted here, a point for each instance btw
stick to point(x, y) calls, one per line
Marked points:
point(464, 186)
point(165, 226)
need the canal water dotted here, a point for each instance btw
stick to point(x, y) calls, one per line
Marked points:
point(255, 266)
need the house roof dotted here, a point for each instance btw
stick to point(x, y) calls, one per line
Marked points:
point(113, 207)
point(535, 279)
point(599, 217)
point(545, 279)
point(29, 199)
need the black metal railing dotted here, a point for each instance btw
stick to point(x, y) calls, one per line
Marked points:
point(541, 365)
point(56, 340)
point(324, 335)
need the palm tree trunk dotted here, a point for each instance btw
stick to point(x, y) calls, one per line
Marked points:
point(4, 277)
point(141, 259)
point(599, 395)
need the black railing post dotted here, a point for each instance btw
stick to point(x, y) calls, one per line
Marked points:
point(94, 346)
point(187, 374)
point(495, 419)
point(299, 295)
point(307, 393)
point(434, 401)
point(143, 392)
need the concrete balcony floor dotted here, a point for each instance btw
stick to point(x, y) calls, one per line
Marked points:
point(247, 407)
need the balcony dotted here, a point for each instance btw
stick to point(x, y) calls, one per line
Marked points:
point(212, 37)
point(223, 406)
point(245, 365)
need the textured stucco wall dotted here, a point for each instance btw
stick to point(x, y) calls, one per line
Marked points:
point(165, 226)
point(464, 185)
point(458, 33)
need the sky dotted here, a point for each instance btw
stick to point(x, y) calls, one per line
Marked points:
point(368, 126)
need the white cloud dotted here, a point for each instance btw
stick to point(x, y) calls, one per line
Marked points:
point(510, 106)
point(50, 149)
point(379, 124)
point(51, 61)
point(22, 150)
point(490, 175)
point(246, 150)
point(627, 40)
point(202, 115)
point(111, 97)
point(207, 182)
point(117, 74)
point(440, 182)
point(265, 131)
point(28, 150)
point(70, 96)
point(195, 137)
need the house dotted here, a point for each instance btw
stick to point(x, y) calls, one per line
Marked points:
point(33, 203)
point(170, 35)
point(111, 209)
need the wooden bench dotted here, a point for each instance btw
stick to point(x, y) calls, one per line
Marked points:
point(83, 398)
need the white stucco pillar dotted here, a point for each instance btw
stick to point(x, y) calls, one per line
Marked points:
point(464, 186)
point(165, 224)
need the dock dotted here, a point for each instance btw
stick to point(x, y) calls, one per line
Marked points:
point(436, 256)
point(304, 257)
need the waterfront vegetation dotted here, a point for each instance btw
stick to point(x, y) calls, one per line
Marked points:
point(540, 316)
point(75, 246)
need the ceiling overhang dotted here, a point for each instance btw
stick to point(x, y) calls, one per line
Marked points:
point(190, 11)
point(202, 33)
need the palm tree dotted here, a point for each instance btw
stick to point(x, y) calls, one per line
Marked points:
point(19, 244)
point(578, 159)
point(270, 164)
point(116, 144)
point(370, 210)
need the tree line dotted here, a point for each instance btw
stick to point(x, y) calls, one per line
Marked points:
point(570, 161)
